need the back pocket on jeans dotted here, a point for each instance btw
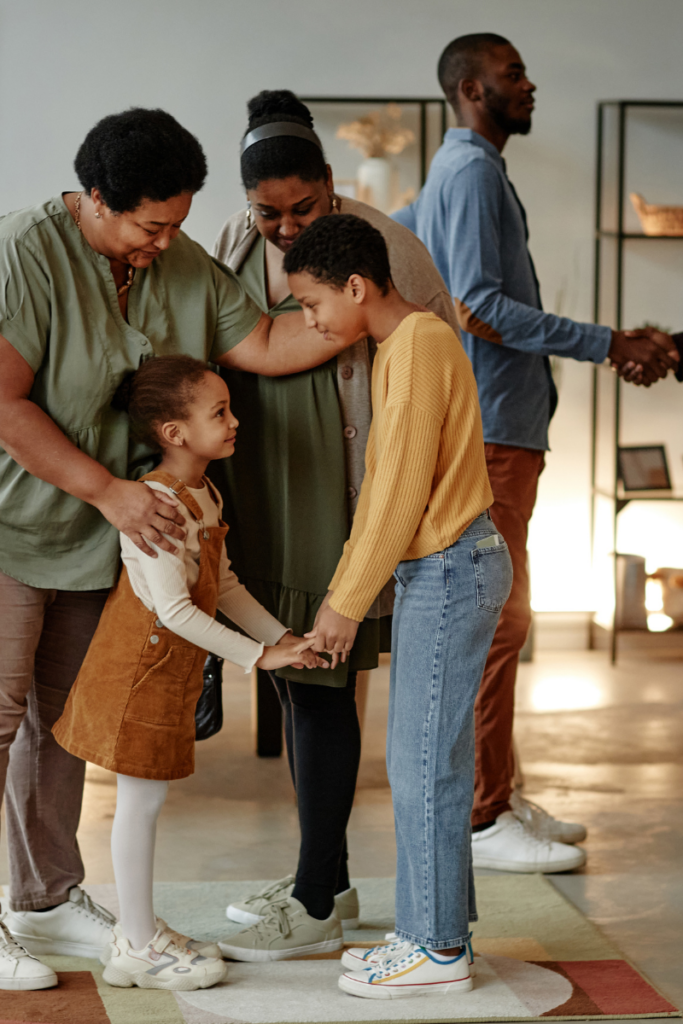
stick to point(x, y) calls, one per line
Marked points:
point(493, 575)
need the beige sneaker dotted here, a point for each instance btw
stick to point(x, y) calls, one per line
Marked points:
point(161, 964)
point(285, 932)
point(208, 949)
point(252, 910)
point(19, 971)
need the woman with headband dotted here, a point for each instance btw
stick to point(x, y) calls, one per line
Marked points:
point(290, 493)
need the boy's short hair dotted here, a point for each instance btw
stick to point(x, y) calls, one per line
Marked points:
point(333, 248)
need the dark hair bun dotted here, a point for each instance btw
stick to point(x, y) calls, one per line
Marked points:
point(277, 105)
point(123, 394)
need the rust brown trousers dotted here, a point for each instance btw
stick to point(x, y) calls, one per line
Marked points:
point(132, 707)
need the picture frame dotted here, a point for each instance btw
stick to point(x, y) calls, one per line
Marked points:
point(643, 468)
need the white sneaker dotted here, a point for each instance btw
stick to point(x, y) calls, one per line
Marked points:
point(18, 969)
point(161, 964)
point(208, 949)
point(358, 958)
point(543, 824)
point(511, 846)
point(286, 931)
point(79, 927)
point(409, 971)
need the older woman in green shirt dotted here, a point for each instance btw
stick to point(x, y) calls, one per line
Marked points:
point(91, 283)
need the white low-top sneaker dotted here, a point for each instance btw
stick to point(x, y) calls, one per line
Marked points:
point(79, 927)
point(409, 971)
point(253, 909)
point(161, 964)
point(357, 958)
point(543, 824)
point(510, 846)
point(19, 970)
point(286, 931)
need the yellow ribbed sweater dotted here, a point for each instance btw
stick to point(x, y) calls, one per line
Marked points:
point(425, 472)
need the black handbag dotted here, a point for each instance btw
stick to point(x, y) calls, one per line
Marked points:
point(208, 716)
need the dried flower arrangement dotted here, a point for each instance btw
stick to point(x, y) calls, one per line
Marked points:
point(378, 133)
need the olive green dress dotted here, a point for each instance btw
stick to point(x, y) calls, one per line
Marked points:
point(284, 490)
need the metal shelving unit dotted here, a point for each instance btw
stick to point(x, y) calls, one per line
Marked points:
point(607, 386)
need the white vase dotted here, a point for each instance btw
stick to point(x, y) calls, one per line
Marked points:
point(374, 183)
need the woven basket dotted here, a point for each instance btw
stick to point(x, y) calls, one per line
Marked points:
point(658, 220)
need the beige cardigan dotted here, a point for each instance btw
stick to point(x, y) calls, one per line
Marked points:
point(417, 279)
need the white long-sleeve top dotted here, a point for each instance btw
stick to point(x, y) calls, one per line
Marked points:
point(163, 584)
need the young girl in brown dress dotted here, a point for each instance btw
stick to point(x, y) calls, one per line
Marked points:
point(132, 707)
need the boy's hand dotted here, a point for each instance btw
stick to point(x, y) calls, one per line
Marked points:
point(333, 632)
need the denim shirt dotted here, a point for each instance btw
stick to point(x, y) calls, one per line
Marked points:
point(471, 220)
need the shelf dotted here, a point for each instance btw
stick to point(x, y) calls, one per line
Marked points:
point(638, 235)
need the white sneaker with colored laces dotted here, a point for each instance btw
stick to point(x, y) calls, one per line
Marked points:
point(253, 909)
point(509, 845)
point(19, 971)
point(409, 971)
point(357, 958)
point(543, 824)
point(286, 931)
point(161, 964)
point(79, 927)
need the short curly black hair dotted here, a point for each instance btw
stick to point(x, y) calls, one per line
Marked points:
point(140, 154)
point(333, 248)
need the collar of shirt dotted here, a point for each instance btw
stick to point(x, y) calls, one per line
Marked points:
point(459, 135)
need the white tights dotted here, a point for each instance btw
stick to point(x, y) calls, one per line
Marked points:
point(133, 834)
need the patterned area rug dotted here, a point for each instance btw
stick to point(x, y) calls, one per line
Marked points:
point(537, 956)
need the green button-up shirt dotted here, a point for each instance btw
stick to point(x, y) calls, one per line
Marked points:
point(59, 310)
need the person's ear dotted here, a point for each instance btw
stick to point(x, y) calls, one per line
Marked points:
point(98, 202)
point(329, 180)
point(470, 89)
point(358, 288)
point(171, 434)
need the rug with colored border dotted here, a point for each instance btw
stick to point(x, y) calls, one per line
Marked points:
point(537, 956)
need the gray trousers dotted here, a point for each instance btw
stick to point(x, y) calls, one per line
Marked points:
point(44, 635)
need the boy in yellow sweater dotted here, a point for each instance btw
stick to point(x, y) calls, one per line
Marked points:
point(422, 515)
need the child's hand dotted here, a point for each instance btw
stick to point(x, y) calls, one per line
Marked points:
point(294, 651)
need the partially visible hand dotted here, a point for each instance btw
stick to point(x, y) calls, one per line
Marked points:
point(650, 352)
point(333, 632)
point(297, 653)
point(142, 513)
point(311, 661)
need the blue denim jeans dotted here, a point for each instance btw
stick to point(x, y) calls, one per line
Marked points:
point(446, 612)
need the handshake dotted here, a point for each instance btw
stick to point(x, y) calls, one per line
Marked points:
point(644, 355)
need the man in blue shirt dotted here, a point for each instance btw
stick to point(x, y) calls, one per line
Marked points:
point(471, 220)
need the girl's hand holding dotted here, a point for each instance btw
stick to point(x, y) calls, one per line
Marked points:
point(290, 650)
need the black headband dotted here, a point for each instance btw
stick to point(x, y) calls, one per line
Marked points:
point(275, 128)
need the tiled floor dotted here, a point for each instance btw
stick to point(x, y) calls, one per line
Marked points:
point(599, 745)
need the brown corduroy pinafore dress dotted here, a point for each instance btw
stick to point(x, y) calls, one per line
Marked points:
point(132, 707)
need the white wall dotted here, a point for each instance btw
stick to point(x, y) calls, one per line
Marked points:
point(63, 65)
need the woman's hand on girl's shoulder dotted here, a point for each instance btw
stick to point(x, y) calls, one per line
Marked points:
point(142, 513)
point(291, 650)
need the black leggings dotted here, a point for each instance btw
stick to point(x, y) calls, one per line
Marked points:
point(323, 749)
